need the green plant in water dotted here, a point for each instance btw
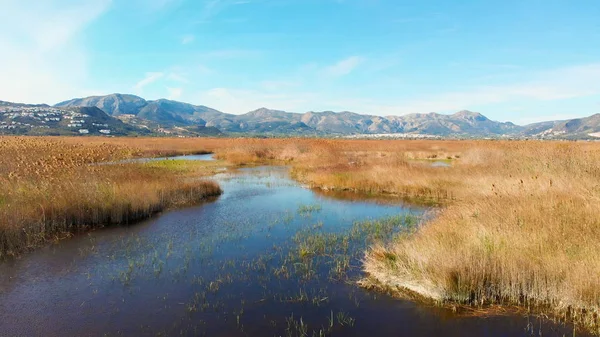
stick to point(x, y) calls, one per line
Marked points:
point(307, 210)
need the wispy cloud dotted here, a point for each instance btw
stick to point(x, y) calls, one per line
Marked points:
point(558, 84)
point(150, 78)
point(545, 118)
point(41, 50)
point(177, 77)
point(187, 39)
point(174, 93)
point(548, 86)
point(344, 67)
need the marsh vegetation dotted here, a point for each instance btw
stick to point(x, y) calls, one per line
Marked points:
point(50, 189)
point(515, 223)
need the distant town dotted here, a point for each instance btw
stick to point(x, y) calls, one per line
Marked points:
point(14, 117)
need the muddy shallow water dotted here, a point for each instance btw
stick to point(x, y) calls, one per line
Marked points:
point(267, 258)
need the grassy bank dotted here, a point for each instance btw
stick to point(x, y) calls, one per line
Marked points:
point(50, 189)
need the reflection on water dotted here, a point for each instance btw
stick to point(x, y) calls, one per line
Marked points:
point(440, 164)
point(267, 258)
point(202, 157)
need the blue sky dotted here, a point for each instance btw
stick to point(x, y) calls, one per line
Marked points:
point(524, 61)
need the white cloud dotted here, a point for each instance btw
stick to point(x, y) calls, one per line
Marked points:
point(187, 39)
point(545, 118)
point(177, 77)
point(558, 84)
point(344, 67)
point(42, 53)
point(150, 78)
point(48, 25)
point(174, 93)
point(287, 94)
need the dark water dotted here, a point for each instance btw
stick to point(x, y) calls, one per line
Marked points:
point(231, 267)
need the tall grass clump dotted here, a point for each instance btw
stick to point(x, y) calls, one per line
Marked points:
point(50, 189)
point(524, 231)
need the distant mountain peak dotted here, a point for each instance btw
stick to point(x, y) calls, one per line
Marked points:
point(467, 113)
point(263, 110)
point(471, 116)
point(463, 123)
point(266, 113)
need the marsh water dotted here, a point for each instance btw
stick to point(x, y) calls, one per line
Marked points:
point(201, 157)
point(266, 258)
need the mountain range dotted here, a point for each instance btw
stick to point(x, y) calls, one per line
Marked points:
point(133, 114)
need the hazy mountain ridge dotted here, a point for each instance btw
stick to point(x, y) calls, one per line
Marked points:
point(178, 118)
point(263, 120)
point(577, 128)
point(463, 122)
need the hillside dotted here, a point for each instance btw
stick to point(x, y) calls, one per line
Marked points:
point(24, 119)
point(578, 128)
point(166, 112)
point(461, 123)
point(130, 115)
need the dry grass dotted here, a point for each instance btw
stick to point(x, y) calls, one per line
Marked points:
point(518, 225)
point(50, 189)
point(524, 229)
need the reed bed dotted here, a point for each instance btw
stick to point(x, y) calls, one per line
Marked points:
point(50, 189)
point(522, 229)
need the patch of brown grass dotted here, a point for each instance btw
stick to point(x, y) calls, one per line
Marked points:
point(50, 189)
point(524, 230)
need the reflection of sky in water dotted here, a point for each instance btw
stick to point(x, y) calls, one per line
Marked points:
point(156, 275)
point(202, 157)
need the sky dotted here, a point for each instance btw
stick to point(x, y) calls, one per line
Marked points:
point(512, 60)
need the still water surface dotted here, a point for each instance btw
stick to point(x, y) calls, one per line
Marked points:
point(234, 266)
